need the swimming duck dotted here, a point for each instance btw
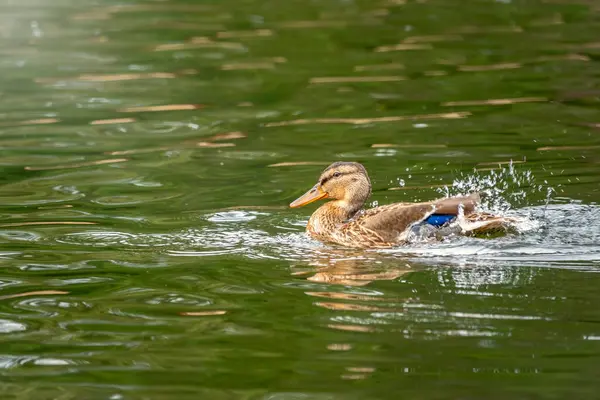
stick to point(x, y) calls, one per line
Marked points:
point(344, 221)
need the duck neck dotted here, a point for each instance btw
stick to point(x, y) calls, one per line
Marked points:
point(330, 216)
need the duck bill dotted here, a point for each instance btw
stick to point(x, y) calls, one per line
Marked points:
point(314, 194)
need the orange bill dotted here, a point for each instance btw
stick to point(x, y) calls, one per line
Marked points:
point(314, 194)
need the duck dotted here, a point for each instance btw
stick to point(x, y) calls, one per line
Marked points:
point(344, 221)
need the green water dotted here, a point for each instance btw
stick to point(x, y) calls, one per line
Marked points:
point(149, 253)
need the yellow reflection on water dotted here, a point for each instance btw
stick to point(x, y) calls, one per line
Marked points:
point(245, 34)
point(490, 67)
point(495, 102)
point(168, 107)
point(361, 121)
point(402, 47)
point(112, 121)
point(41, 121)
point(36, 293)
point(77, 165)
point(13, 224)
point(378, 67)
point(202, 313)
point(356, 79)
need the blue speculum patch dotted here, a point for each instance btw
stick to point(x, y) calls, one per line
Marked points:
point(439, 219)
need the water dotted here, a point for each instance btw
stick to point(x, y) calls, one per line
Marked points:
point(149, 150)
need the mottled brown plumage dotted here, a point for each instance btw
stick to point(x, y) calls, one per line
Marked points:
point(343, 221)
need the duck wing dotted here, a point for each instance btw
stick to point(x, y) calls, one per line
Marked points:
point(390, 223)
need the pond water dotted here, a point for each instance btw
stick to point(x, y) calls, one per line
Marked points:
point(150, 149)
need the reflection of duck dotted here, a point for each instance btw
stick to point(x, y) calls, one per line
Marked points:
point(352, 267)
point(343, 221)
point(356, 273)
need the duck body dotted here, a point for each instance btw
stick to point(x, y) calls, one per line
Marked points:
point(344, 221)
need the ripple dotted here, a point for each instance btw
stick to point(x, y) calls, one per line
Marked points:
point(205, 253)
point(8, 361)
point(4, 283)
point(44, 267)
point(29, 159)
point(134, 199)
point(37, 192)
point(148, 319)
point(23, 236)
point(297, 396)
point(95, 238)
point(8, 326)
point(481, 276)
point(53, 362)
point(463, 333)
point(78, 281)
point(179, 299)
point(496, 316)
point(234, 216)
point(110, 327)
point(236, 289)
point(41, 305)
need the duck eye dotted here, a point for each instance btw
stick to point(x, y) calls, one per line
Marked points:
point(337, 174)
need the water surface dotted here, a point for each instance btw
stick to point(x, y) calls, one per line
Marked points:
point(149, 150)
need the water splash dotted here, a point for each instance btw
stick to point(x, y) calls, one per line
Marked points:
point(501, 189)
